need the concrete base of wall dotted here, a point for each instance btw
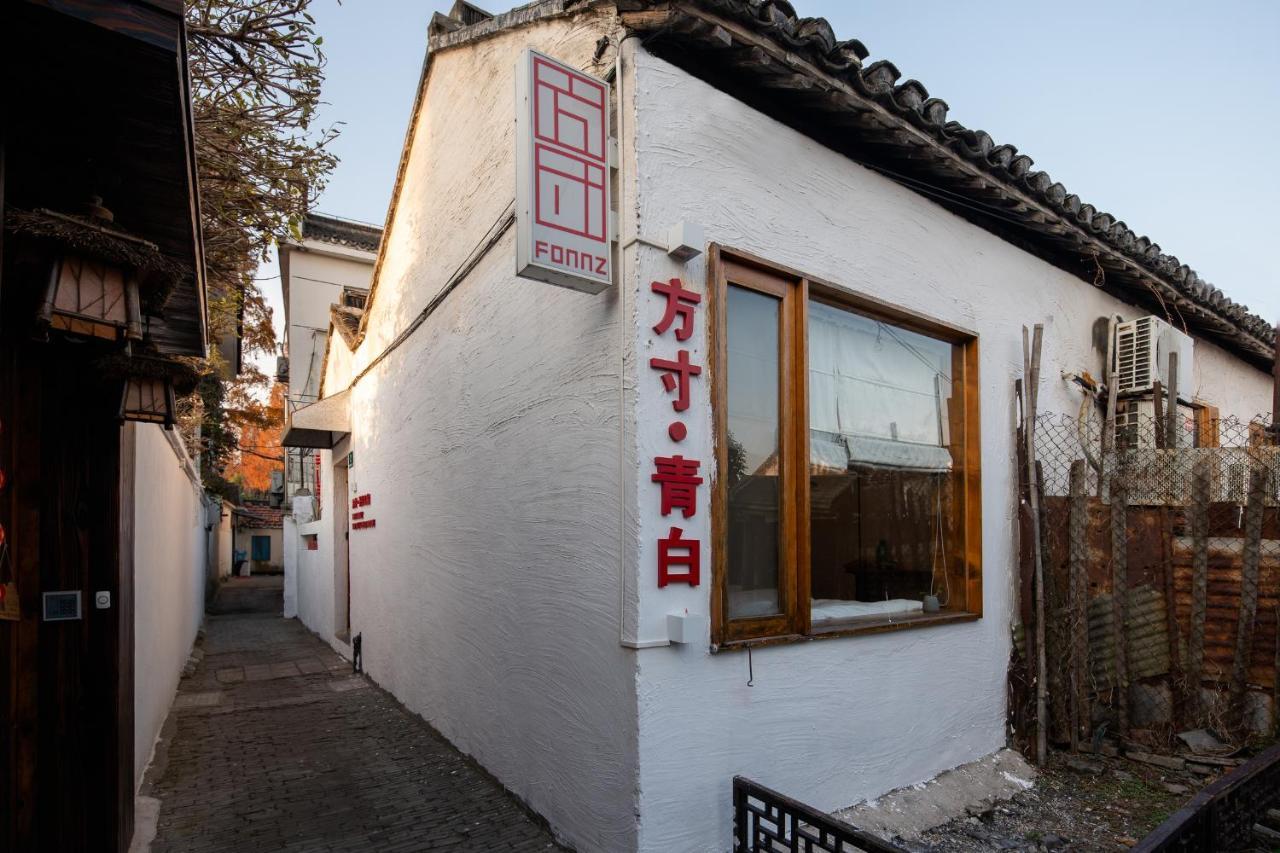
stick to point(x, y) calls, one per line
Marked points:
point(971, 788)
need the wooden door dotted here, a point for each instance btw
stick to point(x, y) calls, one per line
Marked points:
point(68, 751)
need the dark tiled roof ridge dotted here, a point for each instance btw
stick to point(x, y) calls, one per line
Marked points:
point(343, 232)
point(814, 41)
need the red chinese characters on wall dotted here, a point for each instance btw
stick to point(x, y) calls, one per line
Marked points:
point(315, 455)
point(679, 559)
point(358, 521)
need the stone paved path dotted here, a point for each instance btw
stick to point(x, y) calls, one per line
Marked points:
point(274, 745)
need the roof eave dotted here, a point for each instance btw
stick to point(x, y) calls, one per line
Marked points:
point(795, 69)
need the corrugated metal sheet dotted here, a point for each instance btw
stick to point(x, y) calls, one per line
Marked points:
point(1147, 637)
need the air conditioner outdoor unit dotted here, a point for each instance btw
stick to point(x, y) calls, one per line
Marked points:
point(1136, 425)
point(1142, 349)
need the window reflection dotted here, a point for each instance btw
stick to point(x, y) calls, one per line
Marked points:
point(880, 484)
point(754, 467)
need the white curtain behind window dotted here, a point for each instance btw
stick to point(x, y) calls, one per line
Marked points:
point(873, 383)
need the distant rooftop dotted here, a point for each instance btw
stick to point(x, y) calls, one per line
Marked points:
point(341, 232)
point(260, 516)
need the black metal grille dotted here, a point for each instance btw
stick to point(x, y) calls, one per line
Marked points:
point(1222, 816)
point(765, 821)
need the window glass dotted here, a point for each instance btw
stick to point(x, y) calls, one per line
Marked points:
point(880, 473)
point(754, 465)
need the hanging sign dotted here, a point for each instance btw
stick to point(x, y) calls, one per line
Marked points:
point(9, 610)
point(562, 175)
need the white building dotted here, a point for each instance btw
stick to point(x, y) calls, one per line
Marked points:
point(330, 265)
point(500, 449)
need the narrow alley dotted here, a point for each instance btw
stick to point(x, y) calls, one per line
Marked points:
point(274, 744)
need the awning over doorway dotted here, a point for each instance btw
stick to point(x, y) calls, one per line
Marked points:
point(321, 424)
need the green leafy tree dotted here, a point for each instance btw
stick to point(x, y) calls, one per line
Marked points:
point(256, 72)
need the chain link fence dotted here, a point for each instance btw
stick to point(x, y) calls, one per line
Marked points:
point(1161, 547)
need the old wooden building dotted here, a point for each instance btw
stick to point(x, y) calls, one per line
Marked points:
point(101, 286)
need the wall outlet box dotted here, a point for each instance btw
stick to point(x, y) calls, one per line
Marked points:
point(686, 628)
point(61, 605)
point(685, 241)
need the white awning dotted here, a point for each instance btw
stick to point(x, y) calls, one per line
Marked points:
point(321, 424)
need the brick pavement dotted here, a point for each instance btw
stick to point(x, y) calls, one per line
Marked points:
point(274, 745)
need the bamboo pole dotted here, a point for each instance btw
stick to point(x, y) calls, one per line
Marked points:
point(1248, 610)
point(1275, 395)
point(1157, 401)
point(1108, 430)
point(1275, 682)
point(1120, 596)
point(1031, 348)
point(1200, 497)
point(1077, 605)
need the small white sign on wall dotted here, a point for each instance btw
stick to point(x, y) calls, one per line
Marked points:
point(562, 175)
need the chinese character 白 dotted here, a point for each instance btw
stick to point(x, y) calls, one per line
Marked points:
point(674, 552)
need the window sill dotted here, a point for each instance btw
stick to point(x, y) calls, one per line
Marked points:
point(872, 625)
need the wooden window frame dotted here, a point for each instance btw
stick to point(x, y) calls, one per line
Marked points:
point(794, 289)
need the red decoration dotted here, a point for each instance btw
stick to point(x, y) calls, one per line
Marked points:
point(668, 558)
point(679, 480)
point(364, 525)
point(680, 303)
point(356, 516)
point(676, 375)
point(677, 431)
point(361, 500)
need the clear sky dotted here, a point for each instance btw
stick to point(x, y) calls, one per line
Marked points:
point(1166, 114)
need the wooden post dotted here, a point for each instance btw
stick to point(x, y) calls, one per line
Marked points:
point(1108, 430)
point(1200, 497)
point(1248, 595)
point(1077, 603)
point(1171, 427)
point(1157, 400)
point(1275, 399)
point(1120, 597)
point(1031, 365)
point(1275, 682)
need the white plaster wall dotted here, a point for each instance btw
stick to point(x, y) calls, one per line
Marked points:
point(316, 281)
point(289, 596)
point(337, 366)
point(168, 579)
point(836, 721)
point(315, 568)
point(224, 543)
point(244, 542)
point(487, 594)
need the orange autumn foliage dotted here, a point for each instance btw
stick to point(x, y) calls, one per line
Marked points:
point(260, 450)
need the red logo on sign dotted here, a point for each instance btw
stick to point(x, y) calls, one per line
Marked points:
point(570, 160)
